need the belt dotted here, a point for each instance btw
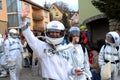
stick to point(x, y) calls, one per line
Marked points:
point(47, 79)
point(115, 62)
point(1, 51)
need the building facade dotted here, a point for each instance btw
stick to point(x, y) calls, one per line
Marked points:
point(96, 22)
point(56, 12)
point(75, 16)
point(13, 12)
point(38, 17)
point(10, 11)
point(3, 17)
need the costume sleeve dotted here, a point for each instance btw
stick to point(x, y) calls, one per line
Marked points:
point(119, 57)
point(33, 41)
point(101, 57)
point(70, 69)
point(7, 47)
point(87, 64)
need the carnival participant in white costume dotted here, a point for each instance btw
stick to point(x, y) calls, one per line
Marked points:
point(14, 51)
point(53, 66)
point(111, 52)
point(3, 72)
point(79, 55)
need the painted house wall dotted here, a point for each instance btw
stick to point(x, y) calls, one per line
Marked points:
point(3, 17)
point(57, 14)
point(87, 10)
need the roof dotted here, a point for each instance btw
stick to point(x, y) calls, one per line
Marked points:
point(58, 8)
point(37, 5)
point(75, 15)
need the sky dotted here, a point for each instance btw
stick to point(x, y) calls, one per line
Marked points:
point(73, 5)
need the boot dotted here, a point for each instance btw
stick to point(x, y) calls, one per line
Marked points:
point(3, 74)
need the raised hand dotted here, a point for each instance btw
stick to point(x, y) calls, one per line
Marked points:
point(78, 72)
point(24, 14)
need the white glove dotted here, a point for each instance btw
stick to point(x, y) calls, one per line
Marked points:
point(23, 24)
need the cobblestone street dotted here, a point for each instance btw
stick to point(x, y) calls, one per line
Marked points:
point(26, 74)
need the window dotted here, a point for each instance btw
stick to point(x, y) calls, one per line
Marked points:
point(57, 14)
point(19, 5)
point(45, 14)
point(76, 14)
point(53, 9)
point(0, 4)
point(13, 20)
point(12, 5)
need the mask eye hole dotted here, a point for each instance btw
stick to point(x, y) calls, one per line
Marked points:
point(110, 39)
point(55, 33)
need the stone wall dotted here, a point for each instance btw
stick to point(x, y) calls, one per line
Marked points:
point(114, 24)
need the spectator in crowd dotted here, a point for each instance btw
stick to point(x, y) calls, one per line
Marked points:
point(86, 40)
point(26, 56)
point(95, 69)
point(30, 51)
